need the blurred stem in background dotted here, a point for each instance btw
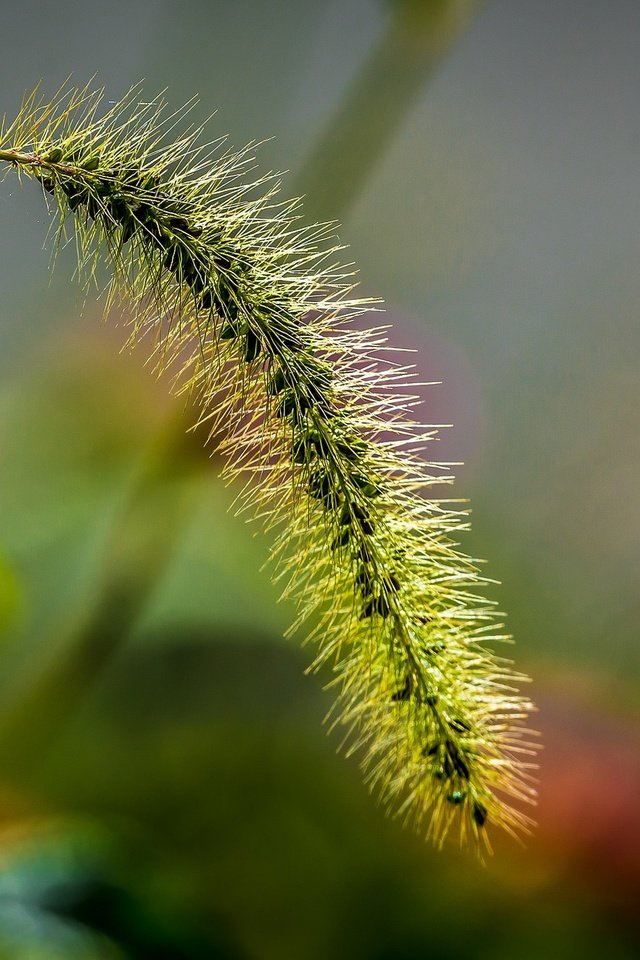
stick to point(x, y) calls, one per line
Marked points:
point(419, 33)
point(138, 549)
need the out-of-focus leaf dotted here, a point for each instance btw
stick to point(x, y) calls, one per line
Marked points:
point(10, 596)
point(62, 898)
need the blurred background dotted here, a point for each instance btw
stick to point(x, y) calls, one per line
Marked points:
point(167, 788)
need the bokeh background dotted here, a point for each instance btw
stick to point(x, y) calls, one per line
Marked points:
point(166, 786)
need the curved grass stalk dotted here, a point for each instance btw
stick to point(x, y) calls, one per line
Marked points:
point(313, 415)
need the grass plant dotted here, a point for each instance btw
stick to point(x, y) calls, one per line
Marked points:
point(314, 416)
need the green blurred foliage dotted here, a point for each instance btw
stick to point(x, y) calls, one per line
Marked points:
point(10, 597)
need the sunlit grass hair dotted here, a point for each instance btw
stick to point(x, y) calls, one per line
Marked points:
point(315, 418)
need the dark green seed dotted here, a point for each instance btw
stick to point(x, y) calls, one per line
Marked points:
point(188, 267)
point(172, 258)
point(325, 409)
point(479, 813)
point(171, 205)
point(276, 383)
point(206, 298)
point(305, 402)
point(377, 605)
point(93, 206)
point(368, 487)
point(365, 553)
point(301, 452)
point(104, 188)
point(319, 441)
point(317, 389)
point(434, 649)
point(221, 261)
point(76, 197)
point(229, 332)
point(91, 164)
point(458, 763)
point(288, 337)
point(129, 227)
point(117, 206)
point(228, 290)
point(54, 155)
point(320, 486)
point(129, 174)
point(341, 539)
point(461, 768)
point(287, 405)
point(382, 607)
point(351, 449)
point(459, 726)
point(364, 580)
point(229, 308)
point(404, 694)
point(147, 181)
point(456, 797)
point(252, 347)
point(156, 234)
point(353, 511)
point(196, 281)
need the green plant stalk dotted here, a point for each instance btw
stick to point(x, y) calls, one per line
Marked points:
point(260, 315)
point(417, 37)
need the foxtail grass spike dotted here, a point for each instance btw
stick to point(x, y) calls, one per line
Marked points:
point(315, 419)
